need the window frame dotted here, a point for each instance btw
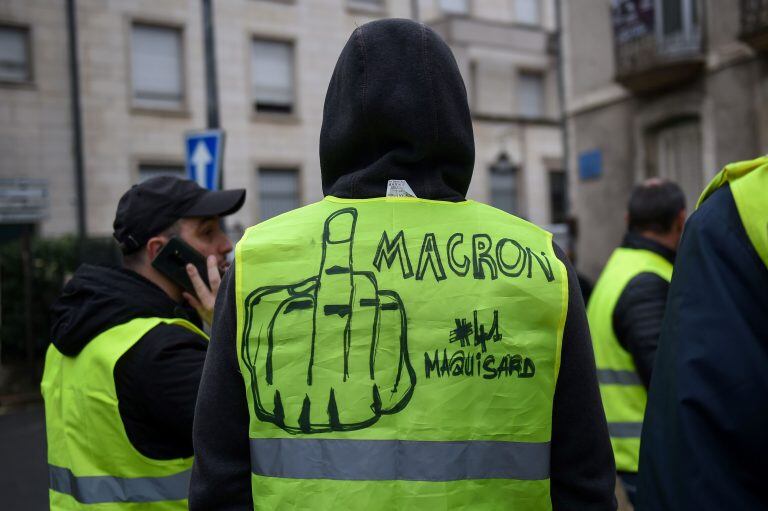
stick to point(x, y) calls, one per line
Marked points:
point(445, 12)
point(551, 172)
point(256, 115)
point(27, 28)
point(365, 8)
point(539, 18)
point(515, 171)
point(689, 38)
point(295, 168)
point(518, 102)
point(138, 107)
point(149, 161)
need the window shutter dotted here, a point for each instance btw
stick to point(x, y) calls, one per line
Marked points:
point(14, 54)
point(278, 191)
point(272, 74)
point(530, 94)
point(156, 66)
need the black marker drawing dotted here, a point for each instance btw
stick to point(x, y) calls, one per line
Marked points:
point(330, 352)
point(464, 330)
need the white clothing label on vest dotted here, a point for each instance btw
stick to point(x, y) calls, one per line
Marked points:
point(399, 188)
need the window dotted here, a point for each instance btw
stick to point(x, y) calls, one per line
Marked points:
point(678, 24)
point(530, 94)
point(504, 184)
point(674, 152)
point(672, 15)
point(150, 170)
point(455, 6)
point(14, 54)
point(558, 197)
point(156, 67)
point(528, 11)
point(272, 77)
point(278, 191)
point(368, 4)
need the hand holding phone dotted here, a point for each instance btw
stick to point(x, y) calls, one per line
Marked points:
point(172, 261)
point(200, 279)
point(206, 296)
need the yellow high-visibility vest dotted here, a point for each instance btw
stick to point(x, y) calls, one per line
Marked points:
point(623, 393)
point(749, 184)
point(92, 464)
point(399, 353)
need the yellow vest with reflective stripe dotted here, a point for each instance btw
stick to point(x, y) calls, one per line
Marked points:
point(624, 395)
point(92, 463)
point(749, 184)
point(399, 353)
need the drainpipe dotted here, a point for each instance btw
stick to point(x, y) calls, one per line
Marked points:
point(77, 121)
point(211, 86)
point(561, 96)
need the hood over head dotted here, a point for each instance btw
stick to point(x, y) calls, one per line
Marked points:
point(98, 298)
point(396, 108)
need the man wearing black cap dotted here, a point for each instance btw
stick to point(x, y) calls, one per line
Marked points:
point(122, 373)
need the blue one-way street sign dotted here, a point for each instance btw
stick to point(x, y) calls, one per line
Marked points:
point(204, 152)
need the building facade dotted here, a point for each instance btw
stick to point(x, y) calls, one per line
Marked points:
point(668, 88)
point(142, 87)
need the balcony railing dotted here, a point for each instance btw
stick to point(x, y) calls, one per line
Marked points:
point(754, 23)
point(652, 55)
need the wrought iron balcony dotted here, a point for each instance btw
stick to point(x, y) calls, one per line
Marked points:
point(654, 53)
point(754, 23)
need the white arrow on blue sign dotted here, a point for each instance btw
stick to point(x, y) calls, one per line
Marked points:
point(204, 153)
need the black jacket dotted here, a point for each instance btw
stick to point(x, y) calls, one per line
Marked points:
point(640, 309)
point(704, 440)
point(396, 108)
point(157, 379)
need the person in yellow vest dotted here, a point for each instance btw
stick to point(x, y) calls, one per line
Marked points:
point(625, 313)
point(122, 372)
point(396, 346)
point(704, 443)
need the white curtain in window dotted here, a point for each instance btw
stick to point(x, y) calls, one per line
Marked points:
point(530, 94)
point(272, 72)
point(13, 54)
point(455, 6)
point(528, 11)
point(156, 65)
point(278, 191)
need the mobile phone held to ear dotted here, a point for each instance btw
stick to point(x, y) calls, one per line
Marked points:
point(172, 262)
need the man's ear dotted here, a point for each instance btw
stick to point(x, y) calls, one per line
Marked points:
point(154, 246)
point(681, 217)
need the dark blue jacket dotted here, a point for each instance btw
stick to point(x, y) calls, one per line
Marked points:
point(705, 435)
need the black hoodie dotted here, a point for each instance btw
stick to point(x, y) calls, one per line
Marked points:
point(396, 108)
point(157, 379)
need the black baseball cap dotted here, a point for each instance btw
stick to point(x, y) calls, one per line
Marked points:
point(148, 208)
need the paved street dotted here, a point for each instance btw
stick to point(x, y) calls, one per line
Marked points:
point(23, 478)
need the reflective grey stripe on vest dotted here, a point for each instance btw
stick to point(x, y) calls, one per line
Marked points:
point(617, 377)
point(625, 429)
point(96, 489)
point(404, 460)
